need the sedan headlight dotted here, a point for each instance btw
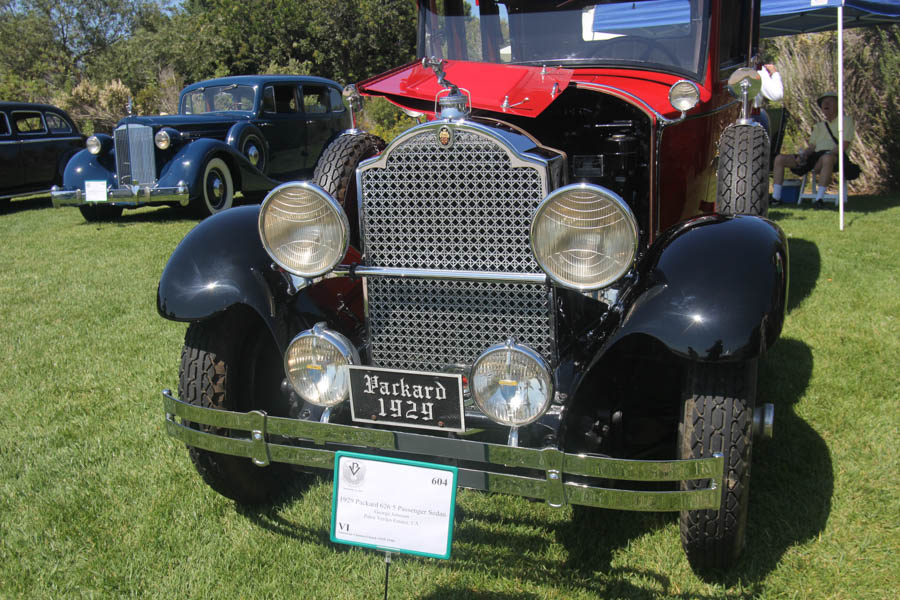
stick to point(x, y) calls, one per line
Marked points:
point(162, 139)
point(93, 144)
point(511, 384)
point(303, 229)
point(584, 236)
point(316, 364)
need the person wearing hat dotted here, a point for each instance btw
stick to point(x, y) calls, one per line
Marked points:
point(821, 152)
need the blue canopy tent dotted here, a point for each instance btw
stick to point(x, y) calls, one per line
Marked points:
point(790, 17)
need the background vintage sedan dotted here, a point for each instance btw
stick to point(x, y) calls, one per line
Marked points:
point(36, 142)
point(244, 133)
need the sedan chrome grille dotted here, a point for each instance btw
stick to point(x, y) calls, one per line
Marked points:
point(135, 155)
point(465, 207)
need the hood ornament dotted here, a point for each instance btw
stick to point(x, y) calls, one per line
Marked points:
point(454, 102)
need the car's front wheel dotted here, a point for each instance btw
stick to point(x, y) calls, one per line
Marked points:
point(717, 419)
point(217, 189)
point(100, 212)
point(231, 362)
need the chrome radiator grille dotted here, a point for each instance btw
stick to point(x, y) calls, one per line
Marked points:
point(467, 207)
point(135, 158)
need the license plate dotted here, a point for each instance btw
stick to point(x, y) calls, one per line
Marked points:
point(407, 398)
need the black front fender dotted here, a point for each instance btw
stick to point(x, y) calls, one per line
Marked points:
point(219, 264)
point(714, 288)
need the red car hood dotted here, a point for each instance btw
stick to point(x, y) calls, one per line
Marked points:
point(526, 91)
point(519, 90)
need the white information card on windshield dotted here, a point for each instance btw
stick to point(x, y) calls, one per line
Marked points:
point(393, 505)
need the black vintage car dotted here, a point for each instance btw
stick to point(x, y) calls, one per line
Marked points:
point(234, 134)
point(36, 142)
point(561, 282)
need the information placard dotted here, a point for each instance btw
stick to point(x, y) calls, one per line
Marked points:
point(95, 191)
point(393, 504)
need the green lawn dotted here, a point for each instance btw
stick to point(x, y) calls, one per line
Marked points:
point(97, 502)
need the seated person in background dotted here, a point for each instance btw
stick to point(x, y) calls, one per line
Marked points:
point(821, 152)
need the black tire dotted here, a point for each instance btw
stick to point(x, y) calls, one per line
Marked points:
point(742, 185)
point(718, 418)
point(97, 213)
point(232, 363)
point(336, 171)
point(216, 191)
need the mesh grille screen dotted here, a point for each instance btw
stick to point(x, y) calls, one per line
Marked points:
point(460, 208)
point(426, 324)
point(463, 207)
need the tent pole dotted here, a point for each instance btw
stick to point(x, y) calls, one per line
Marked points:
point(840, 28)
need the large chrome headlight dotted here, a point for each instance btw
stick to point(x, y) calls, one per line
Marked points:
point(584, 236)
point(316, 364)
point(303, 229)
point(511, 384)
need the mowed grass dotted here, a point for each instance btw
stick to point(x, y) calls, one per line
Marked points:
point(97, 502)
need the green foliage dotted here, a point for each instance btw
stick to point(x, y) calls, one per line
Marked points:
point(384, 119)
point(871, 94)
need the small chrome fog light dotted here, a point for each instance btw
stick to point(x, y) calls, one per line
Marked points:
point(316, 364)
point(93, 144)
point(684, 95)
point(511, 384)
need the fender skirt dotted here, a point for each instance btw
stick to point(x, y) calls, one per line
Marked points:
point(712, 289)
point(219, 264)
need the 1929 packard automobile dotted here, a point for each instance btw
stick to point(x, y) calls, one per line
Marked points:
point(244, 134)
point(561, 280)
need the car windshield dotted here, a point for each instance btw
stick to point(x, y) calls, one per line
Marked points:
point(218, 98)
point(667, 35)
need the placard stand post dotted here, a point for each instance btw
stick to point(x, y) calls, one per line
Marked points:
point(387, 570)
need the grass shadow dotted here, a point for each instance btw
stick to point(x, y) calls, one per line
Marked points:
point(804, 269)
point(793, 478)
point(18, 205)
point(856, 204)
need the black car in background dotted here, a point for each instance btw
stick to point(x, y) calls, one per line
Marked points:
point(36, 142)
point(246, 133)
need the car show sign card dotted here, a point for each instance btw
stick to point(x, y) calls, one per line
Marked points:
point(95, 191)
point(393, 504)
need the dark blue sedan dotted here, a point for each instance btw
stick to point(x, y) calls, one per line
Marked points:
point(36, 142)
point(245, 133)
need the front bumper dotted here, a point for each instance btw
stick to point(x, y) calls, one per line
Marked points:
point(548, 474)
point(136, 195)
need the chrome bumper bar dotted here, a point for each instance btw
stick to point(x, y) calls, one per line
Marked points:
point(482, 466)
point(135, 195)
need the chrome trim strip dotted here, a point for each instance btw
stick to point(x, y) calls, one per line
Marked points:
point(548, 484)
point(46, 139)
point(20, 194)
point(364, 271)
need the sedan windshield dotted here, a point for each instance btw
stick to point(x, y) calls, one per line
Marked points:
point(218, 98)
point(668, 35)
